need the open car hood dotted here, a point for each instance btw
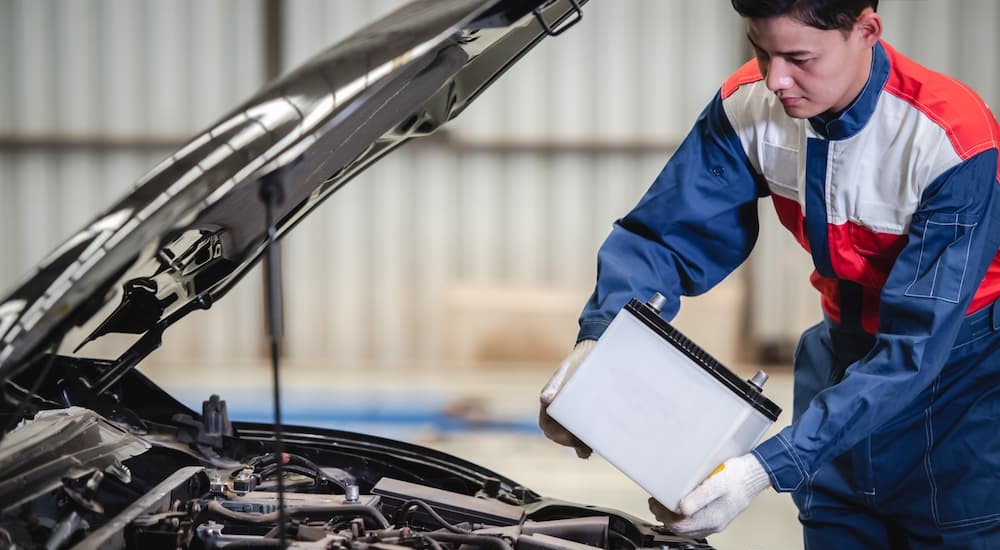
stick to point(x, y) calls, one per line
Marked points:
point(195, 224)
point(133, 467)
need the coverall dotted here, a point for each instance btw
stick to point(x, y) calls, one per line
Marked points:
point(893, 438)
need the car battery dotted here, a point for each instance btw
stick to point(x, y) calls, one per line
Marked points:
point(658, 407)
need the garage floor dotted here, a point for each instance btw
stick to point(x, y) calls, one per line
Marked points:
point(486, 415)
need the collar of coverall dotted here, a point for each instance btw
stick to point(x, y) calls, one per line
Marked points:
point(860, 111)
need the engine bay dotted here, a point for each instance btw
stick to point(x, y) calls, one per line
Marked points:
point(204, 508)
point(206, 483)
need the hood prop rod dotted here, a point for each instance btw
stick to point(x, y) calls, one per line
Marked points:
point(272, 195)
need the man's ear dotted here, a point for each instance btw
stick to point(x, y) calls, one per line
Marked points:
point(868, 27)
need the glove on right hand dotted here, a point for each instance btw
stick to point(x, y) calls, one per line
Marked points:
point(552, 429)
point(711, 506)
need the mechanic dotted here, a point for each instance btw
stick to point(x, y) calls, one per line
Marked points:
point(887, 174)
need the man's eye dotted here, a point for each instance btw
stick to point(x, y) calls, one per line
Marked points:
point(798, 61)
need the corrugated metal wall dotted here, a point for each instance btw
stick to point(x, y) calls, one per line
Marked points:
point(95, 91)
point(520, 202)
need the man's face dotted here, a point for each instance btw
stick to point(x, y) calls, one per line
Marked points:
point(812, 71)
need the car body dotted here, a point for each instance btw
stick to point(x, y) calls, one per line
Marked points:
point(105, 458)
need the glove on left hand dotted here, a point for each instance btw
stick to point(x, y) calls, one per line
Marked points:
point(552, 429)
point(711, 506)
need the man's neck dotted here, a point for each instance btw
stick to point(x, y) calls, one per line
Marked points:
point(855, 91)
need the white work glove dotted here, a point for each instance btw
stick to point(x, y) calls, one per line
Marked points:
point(711, 506)
point(552, 429)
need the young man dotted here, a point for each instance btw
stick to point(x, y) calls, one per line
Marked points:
point(887, 174)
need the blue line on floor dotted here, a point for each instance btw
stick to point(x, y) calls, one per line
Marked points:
point(309, 407)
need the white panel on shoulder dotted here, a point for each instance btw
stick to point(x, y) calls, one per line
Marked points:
point(876, 177)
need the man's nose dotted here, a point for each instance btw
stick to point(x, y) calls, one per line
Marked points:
point(777, 78)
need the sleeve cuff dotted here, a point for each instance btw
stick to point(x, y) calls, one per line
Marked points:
point(591, 330)
point(757, 479)
point(781, 463)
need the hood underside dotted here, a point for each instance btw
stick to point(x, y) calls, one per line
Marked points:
point(195, 224)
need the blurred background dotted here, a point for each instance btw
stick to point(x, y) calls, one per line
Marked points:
point(430, 298)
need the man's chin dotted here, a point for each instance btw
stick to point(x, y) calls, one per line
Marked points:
point(800, 110)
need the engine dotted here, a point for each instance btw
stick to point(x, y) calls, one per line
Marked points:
point(199, 507)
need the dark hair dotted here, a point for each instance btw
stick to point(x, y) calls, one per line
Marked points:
point(823, 14)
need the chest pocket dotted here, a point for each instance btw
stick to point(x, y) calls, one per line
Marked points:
point(780, 167)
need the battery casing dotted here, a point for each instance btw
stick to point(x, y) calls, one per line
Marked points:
point(658, 407)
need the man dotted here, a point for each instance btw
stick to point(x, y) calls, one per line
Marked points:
point(887, 174)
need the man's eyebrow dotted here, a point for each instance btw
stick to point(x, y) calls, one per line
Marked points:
point(795, 53)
